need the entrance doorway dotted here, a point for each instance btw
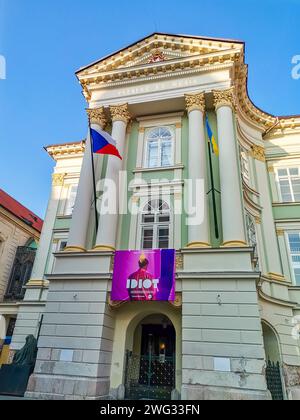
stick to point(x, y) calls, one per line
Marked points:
point(150, 368)
point(273, 358)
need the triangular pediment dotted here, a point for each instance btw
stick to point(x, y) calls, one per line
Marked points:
point(158, 49)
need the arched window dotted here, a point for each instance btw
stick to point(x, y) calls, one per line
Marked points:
point(159, 150)
point(156, 225)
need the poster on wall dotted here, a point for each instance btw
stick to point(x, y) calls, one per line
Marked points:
point(144, 275)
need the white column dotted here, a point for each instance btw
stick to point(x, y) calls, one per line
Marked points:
point(198, 235)
point(108, 223)
point(273, 257)
point(39, 266)
point(231, 197)
point(83, 202)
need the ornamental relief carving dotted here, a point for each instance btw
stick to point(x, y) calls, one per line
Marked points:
point(195, 102)
point(120, 113)
point(97, 116)
point(258, 153)
point(224, 98)
point(58, 180)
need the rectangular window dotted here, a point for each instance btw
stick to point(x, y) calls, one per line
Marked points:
point(294, 241)
point(289, 184)
point(152, 154)
point(160, 147)
point(71, 200)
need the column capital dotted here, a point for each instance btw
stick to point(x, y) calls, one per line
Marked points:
point(58, 180)
point(195, 102)
point(120, 113)
point(258, 153)
point(224, 98)
point(97, 116)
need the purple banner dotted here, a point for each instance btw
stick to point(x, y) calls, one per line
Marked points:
point(144, 275)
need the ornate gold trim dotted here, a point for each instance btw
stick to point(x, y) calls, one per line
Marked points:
point(179, 262)
point(234, 244)
point(142, 130)
point(276, 276)
point(120, 113)
point(37, 283)
point(258, 220)
point(74, 249)
point(195, 102)
point(280, 232)
point(198, 245)
point(104, 248)
point(258, 153)
point(58, 180)
point(177, 302)
point(97, 116)
point(224, 98)
point(178, 125)
point(271, 169)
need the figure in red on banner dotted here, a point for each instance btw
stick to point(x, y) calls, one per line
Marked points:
point(141, 284)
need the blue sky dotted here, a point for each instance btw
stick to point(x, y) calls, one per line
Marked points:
point(45, 42)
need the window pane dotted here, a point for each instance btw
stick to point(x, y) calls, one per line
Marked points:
point(163, 218)
point(148, 218)
point(147, 240)
point(294, 171)
point(71, 200)
point(166, 153)
point(285, 190)
point(152, 154)
point(297, 276)
point(282, 172)
point(163, 237)
point(296, 188)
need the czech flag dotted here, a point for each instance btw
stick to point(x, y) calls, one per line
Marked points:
point(212, 140)
point(102, 142)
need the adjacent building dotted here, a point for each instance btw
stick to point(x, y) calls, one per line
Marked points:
point(233, 330)
point(20, 231)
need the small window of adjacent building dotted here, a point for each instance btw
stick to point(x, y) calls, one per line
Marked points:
point(294, 242)
point(156, 225)
point(71, 200)
point(159, 148)
point(289, 184)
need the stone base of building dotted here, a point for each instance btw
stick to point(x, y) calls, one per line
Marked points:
point(61, 388)
point(200, 393)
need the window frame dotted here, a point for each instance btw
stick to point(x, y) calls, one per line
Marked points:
point(289, 179)
point(156, 225)
point(148, 131)
point(292, 268)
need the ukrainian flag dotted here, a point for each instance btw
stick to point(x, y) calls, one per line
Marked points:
point(212, 140)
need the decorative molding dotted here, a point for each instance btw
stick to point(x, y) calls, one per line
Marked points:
point(179, 262)
point(37, 283)
point(74, 249)
point(224, 98)
point(198, 245)
point(97, 116)
point(178, 125)
point(120, 113)
point(195, 102)
point(258, 153)
point(258, 220)
point(177, 303)
point(58, 180)
point(104, 248)
point(271, 169)
point(234, 244)
point(280, 232)
point(142, 130)
point(276, 276)
point(65, 150)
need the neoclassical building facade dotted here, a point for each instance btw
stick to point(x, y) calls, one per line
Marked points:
point(233, 330)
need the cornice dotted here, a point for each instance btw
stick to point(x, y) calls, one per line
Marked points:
point(65, 150)
point(15, 221)
point(178, 56)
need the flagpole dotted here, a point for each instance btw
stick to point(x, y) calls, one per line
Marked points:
point(94, 178)
point(213, 191)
